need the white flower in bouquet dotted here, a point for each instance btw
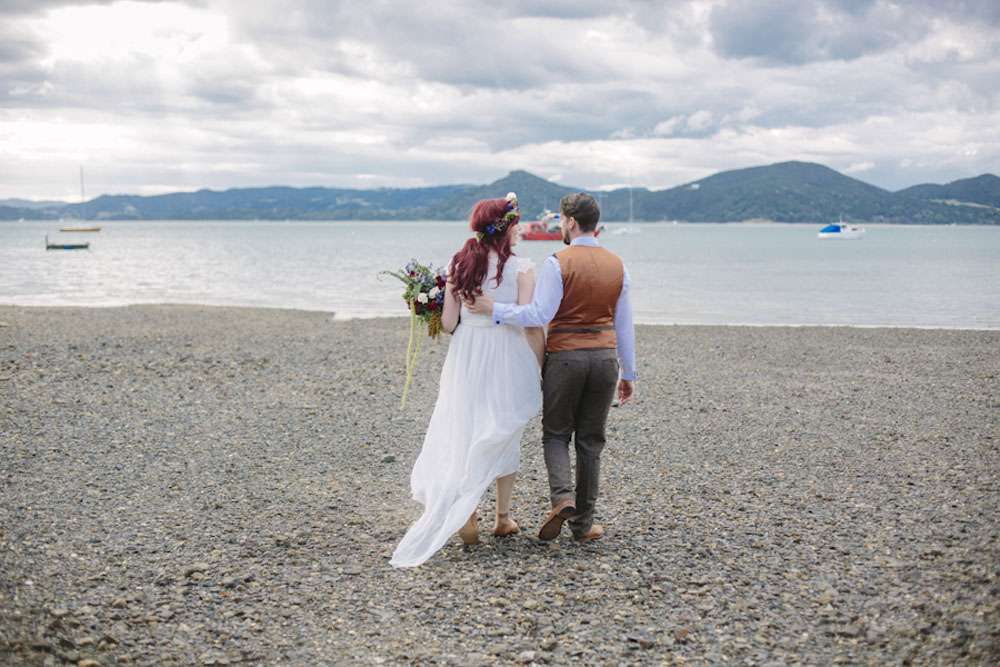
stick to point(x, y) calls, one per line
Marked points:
point(511, 196)
point(423, 284)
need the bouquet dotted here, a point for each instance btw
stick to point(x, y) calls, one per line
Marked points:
point(424, 295)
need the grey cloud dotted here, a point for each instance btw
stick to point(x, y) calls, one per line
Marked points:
point(960, 11)
point(24, 7)
point(14, 7)
point(127, 88)
point(21, 75)
point(473, 44)
point(795, 32)
point(853, 6)
point(566, 10)
point(221, 93)
point(17, 48)
point(506, 87)
point(19, 45)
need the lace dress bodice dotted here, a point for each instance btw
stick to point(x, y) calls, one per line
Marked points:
point(505, 293)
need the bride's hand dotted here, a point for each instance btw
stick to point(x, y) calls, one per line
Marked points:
point(481, 305)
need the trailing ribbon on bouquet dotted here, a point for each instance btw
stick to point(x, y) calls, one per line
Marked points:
point(424, 296)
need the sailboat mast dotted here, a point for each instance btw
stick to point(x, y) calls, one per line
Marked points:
point(630, 195)
point(83, 197)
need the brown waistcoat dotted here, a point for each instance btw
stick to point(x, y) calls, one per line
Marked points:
point(592, 282)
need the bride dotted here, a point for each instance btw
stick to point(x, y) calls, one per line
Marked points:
point(489, 390)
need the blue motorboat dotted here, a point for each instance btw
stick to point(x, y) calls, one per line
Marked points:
point(841, 230)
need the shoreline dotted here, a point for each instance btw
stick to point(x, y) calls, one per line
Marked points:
point(282, 221)
point(362, 318)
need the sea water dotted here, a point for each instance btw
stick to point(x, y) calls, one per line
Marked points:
point(762, 274)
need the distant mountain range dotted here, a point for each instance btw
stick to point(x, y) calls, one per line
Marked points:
point(783, 192)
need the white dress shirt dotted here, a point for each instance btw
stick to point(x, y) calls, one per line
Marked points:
point(547, 297)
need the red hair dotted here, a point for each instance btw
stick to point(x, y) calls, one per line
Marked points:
point(470, 264)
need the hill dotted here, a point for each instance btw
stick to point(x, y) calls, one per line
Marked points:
point(943, 202)
point(783, 192)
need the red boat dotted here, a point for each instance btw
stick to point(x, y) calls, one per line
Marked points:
point(539, 231)
point(546, 229)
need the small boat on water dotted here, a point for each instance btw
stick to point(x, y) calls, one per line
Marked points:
point(83, 200)
point(545, 229)
point(79, 229)
point(841, 230)
point(65, 246)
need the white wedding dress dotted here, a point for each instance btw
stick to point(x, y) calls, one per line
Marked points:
point(490, 388)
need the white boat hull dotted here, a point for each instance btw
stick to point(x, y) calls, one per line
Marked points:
point(845, 235)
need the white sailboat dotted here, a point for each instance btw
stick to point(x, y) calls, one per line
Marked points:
point(81, 228)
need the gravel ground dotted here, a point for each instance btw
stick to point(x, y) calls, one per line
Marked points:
point(193, 485)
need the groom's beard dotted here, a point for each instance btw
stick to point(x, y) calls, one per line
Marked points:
point(565, 237)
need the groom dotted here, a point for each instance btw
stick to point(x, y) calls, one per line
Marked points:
point(582, 294)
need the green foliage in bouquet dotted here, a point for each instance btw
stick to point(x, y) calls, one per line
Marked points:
point(424, 295)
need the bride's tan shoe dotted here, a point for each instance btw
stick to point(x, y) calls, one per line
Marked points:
point(470, 531)
point(505, 526)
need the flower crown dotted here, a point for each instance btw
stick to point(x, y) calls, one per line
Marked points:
point(511, 214)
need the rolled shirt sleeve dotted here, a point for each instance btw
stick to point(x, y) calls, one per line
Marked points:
point(544, 302)
point(625, 331)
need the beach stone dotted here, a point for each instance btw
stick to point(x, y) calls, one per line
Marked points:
point(213, 658)
point(826, 597)
point(642, 640)
point(195, 568)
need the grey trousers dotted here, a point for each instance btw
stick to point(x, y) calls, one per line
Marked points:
point(578, 387)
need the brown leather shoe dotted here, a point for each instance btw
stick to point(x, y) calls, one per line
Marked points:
point(596, 532)
point(554, 520)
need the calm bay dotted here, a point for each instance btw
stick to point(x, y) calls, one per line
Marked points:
point(760, 274)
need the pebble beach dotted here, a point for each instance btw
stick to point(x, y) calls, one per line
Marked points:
point(206, 485)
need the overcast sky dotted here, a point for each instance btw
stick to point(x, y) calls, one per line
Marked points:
point(153, 97)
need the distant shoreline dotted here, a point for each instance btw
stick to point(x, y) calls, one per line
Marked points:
point(784, 191)
point(689, 223)
point(380, 316)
